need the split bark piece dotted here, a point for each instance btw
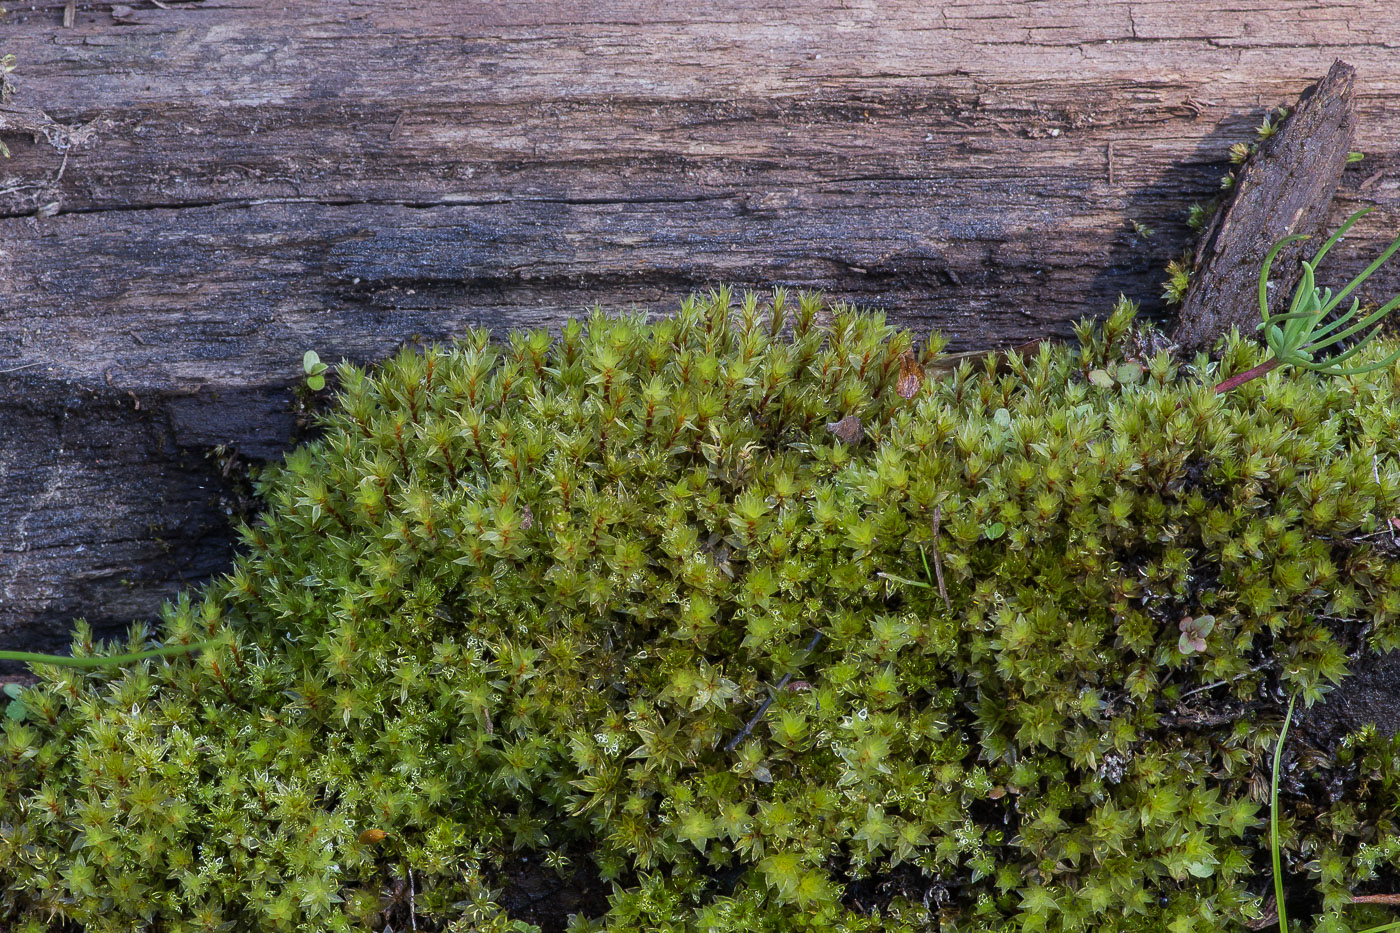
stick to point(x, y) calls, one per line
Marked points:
point(1285, 188)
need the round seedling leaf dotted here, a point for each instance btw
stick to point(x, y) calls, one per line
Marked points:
point(1101, 378)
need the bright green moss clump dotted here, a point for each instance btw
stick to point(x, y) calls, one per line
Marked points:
point(521, 597)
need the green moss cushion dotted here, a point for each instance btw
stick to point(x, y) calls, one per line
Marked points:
point(513, 615)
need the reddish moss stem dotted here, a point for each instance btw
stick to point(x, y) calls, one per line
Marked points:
point(1240, 379)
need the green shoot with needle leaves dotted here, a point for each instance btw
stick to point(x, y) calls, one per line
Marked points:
point(1299, 336)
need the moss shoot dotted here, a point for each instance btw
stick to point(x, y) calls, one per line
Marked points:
point(518, 603)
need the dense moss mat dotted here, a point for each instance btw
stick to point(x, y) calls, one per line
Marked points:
point(516, 604)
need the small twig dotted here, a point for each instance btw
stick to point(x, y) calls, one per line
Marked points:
point(1240, 379)
point(69, 11)
point(748, 727)
point(1221, 683)
point(412, 906)
point(1389, 522)
point(15, 369)
point(938, 558)
point(1391, 900)
point(11, 189)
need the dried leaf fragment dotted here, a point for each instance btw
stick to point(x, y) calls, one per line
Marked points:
point(849, 430)
point(911, 375)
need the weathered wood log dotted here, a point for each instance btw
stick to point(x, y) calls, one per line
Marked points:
point(1285, 188)
point(264, 180)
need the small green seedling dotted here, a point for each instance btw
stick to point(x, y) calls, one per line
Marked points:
point(1193, 634)
point(315, 371)
point(1298, 337)
point(1178, 280)
point(1126, 374)
point(1273, 122)
point(1196, 216)
point(16, 709)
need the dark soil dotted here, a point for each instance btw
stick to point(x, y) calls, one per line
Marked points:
point(535, 893)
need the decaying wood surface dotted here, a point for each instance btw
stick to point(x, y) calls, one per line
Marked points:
point(1283, 189)
point(224, 185)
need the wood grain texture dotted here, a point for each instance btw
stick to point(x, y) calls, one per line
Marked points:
point(1283, 189)
point(225, 184)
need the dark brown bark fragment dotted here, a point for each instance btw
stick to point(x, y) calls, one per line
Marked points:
point(1284, 188)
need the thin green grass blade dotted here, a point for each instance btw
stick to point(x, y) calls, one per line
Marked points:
point(1305, 295)
point(1264, 272)
point(1341, 232)
point(1365, 274)
point(1340, 358)
point(1290, 316)
point(1339, 320)
point(1273, 818)
point(898, 579)
point(1370, 319)
point(1368, 368)
point(29, 657)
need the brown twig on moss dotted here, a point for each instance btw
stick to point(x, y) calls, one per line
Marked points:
point(748, 726)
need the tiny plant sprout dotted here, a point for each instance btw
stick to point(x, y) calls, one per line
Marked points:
point(16, 709)
point(315, 371)
point(1194, 632)
point(1298, 337)
point(1178, 280)
point(1273, 122)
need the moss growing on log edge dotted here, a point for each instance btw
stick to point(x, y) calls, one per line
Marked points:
point(517, 604)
